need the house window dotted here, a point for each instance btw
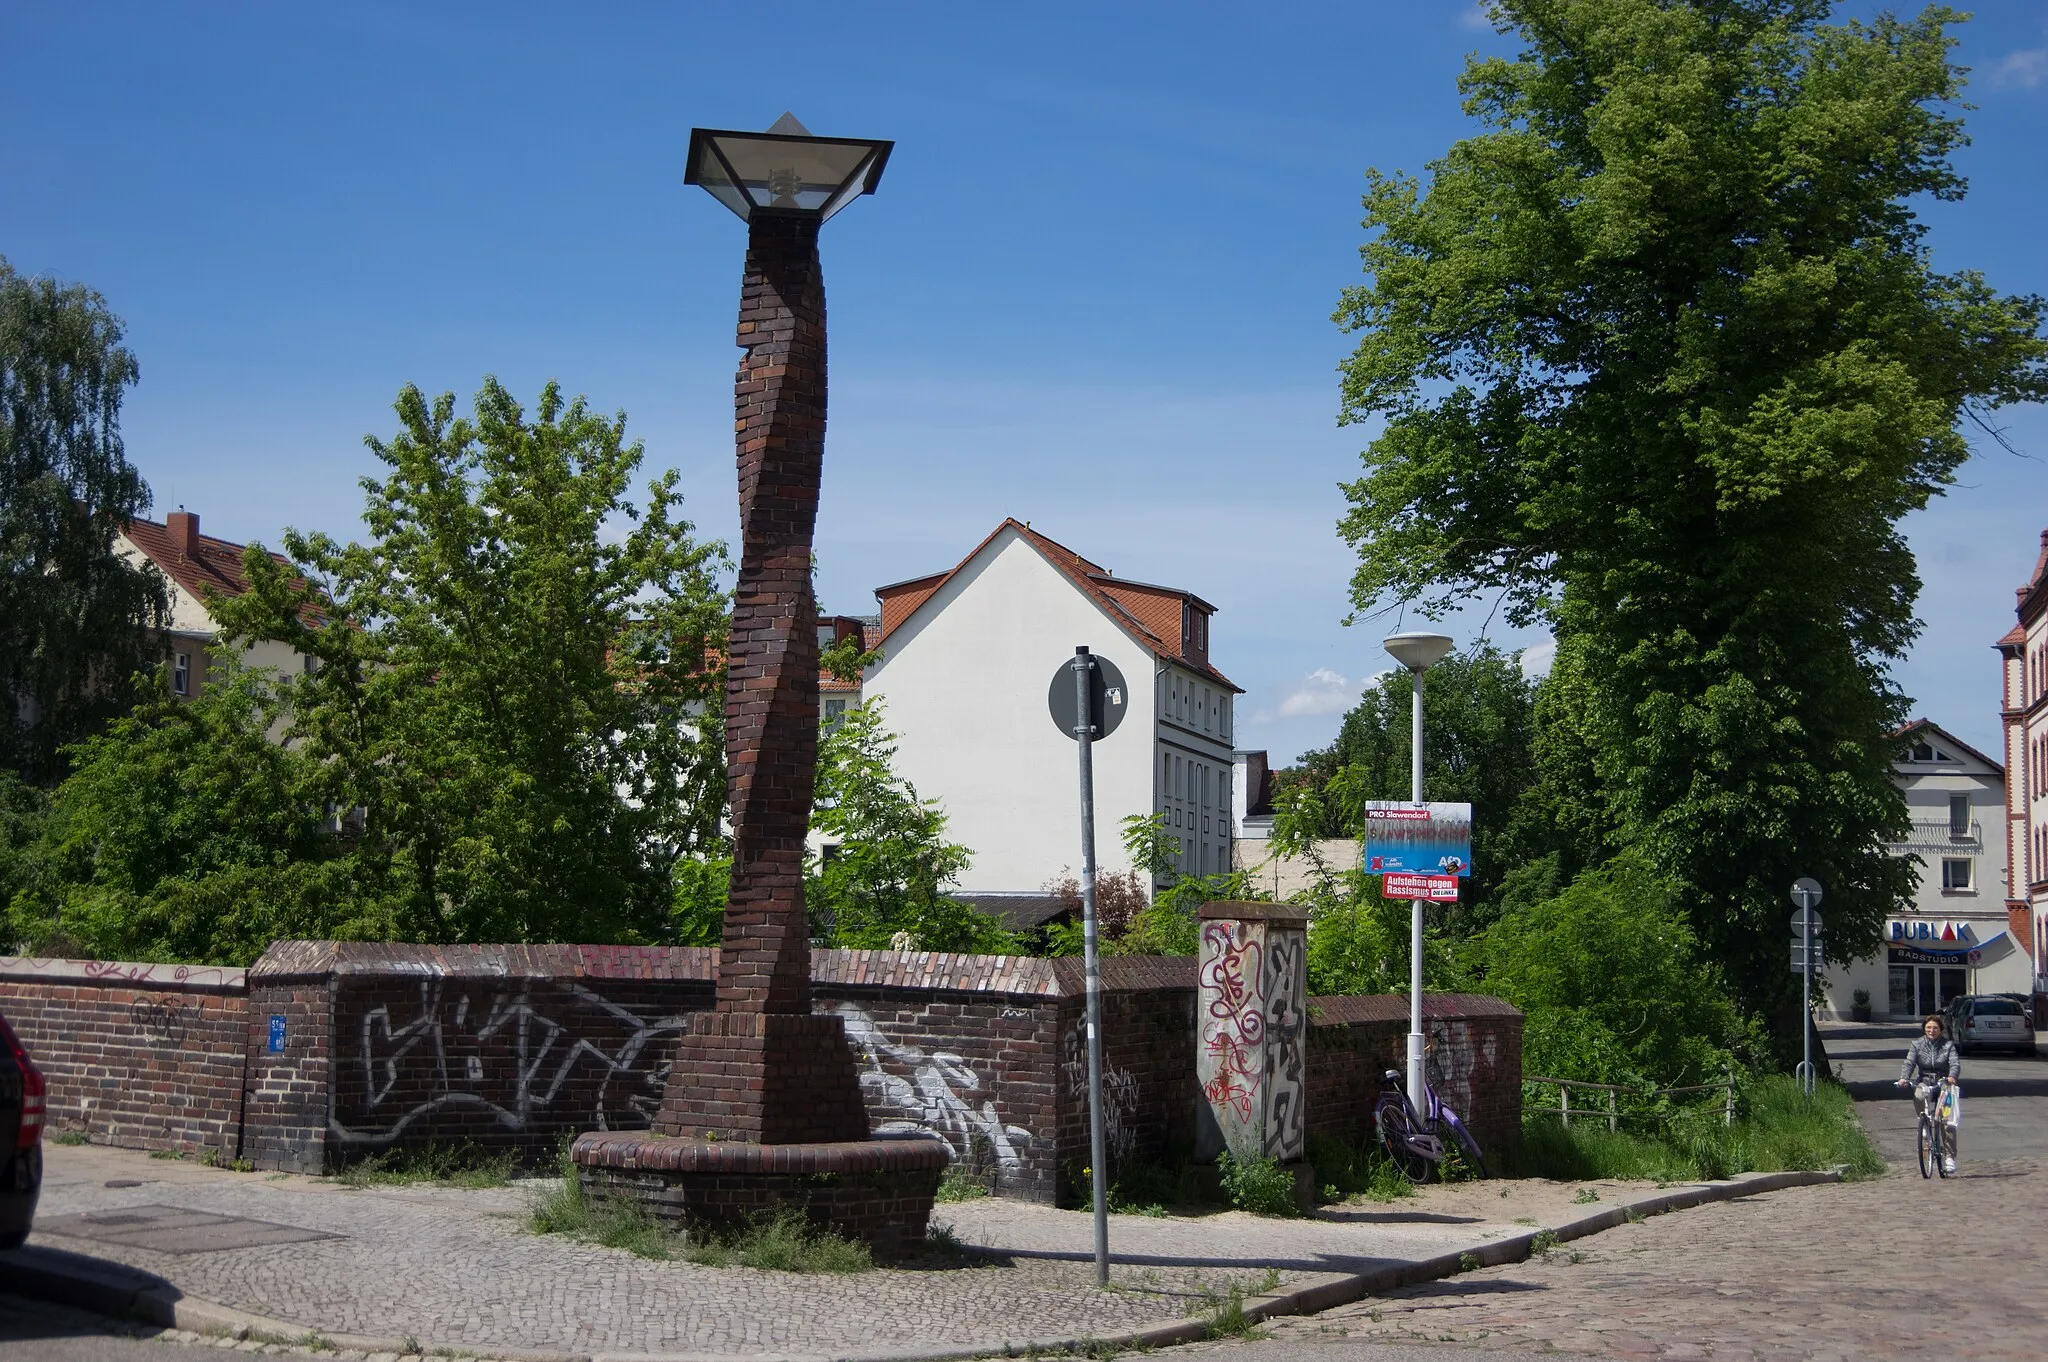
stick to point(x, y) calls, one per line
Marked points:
point(181, 673)
point(1959, 816)
point(1923, 752)
point(1955, 872)
point(835, 712)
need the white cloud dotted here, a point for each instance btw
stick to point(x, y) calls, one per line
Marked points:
point(1537, 657)
point(1322, 691)
point(1478, 18)
point(2026, 68)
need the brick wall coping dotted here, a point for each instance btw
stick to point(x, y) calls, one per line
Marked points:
point(1238, 910)
point(30, 969)
point(640, 1150)
point(1012, 975)
point(1381, 1007)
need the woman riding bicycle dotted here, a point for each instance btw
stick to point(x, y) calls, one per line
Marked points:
point(1931, 1061)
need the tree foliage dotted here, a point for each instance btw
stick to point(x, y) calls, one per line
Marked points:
point(75, 616)
point(889, 862)
point(515, 677)
point(1662, 359)
point(184, 832)
point(1478, 716)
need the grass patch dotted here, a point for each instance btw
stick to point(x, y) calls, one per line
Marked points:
point(960, 1183)
point(784, 1243)
point(456, 1165)
point(1348, 1170)
point(68, 1137)
point(1226, 1317)
point(1260, 1185)
point(1783, 1131)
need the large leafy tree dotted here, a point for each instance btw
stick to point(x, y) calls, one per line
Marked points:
point(1663, 359)
point(515, 681)
point(75, 617)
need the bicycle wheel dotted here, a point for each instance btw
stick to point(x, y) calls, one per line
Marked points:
point(1945, 1142)
point(1927, 1147)
point(1397, 1137)
point(1474, 1160)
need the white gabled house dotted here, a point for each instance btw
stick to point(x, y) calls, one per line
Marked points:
point(195, 567)
point(968, 659)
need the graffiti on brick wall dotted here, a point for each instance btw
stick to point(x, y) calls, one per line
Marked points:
point(932, 1091)
point(1119, 1093)
point(505, 1053)
point(163, 1020)
point(1283, 990)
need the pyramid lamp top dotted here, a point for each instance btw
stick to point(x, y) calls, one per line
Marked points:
point(784, 171)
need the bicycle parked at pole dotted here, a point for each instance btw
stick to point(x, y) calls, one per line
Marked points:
point(1416, 1142)
point(1933, 1071)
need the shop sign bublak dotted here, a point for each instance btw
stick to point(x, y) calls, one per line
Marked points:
point(1434, 888)
point(1417, 839)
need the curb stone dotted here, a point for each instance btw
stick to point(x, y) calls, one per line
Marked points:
point(57, 1276)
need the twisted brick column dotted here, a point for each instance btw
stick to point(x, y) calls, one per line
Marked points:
point(762, 1068)
point(771, 688)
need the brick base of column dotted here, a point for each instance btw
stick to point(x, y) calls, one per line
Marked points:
point(767, 1078)
point(877, 1191)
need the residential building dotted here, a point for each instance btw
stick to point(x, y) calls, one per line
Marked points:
point(1955, 938)
point(1251, 848)
point(196, 566)
point(969, 656)
point(2023, 653)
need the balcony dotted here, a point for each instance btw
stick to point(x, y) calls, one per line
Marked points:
point(1939, 835)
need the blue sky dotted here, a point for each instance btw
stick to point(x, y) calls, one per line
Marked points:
point(1093, 291)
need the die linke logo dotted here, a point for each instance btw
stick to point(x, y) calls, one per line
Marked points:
point(1957, 933)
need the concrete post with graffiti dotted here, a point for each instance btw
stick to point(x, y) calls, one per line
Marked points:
point(1252, 1021)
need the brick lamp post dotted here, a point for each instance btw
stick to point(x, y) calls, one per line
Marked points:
point(763, 1107)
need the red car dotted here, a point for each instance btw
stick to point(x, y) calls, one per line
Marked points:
point(23, 1104)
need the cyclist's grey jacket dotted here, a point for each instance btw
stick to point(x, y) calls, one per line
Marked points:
point(1931, 1057)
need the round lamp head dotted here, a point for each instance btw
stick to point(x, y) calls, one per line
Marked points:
point(1418, 652)
point(784, 170)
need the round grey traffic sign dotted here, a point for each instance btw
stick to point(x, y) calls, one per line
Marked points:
point(1806, 892)
point(1111, 697)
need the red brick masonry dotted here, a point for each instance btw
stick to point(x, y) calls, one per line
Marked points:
point(516, 1047)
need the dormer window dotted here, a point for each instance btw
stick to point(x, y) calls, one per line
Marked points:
point(1924, 752)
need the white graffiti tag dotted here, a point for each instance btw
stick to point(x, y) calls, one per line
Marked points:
point(928, 1088)
point(438, 1059)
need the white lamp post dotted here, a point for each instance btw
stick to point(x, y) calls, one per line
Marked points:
point(1418, 653)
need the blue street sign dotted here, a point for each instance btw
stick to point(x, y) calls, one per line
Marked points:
point(276, 1034)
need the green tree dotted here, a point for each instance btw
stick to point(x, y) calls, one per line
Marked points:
point(1662, 359)
point(75, 616)
point(887, 862)
point(1478, 716)
point(185, 833)
point(1614, 984)
point(514, 678)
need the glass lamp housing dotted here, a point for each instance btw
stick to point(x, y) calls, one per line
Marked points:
point(784, 170)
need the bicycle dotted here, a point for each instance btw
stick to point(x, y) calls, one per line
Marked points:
point(1937, 1139)
point(1416, 1145)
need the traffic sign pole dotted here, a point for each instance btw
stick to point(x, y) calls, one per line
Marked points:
point(1806, 895)
point(1083, 667)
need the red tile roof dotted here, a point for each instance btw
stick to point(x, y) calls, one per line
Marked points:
point(216, 566)
point(1150, 614)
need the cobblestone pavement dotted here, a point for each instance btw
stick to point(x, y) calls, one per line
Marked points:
point(457, 1268)
point(1896, 1267)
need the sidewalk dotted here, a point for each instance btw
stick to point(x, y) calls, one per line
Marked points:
point(434, 1267)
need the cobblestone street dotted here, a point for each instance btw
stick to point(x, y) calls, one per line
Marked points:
point(1896, 1267)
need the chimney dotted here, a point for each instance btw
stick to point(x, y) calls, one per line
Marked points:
point(184, 528)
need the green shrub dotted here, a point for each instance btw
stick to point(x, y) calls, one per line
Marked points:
point(1258, 1185)
point(784, 1242)
point(458, 1165)
point(1351, 1170)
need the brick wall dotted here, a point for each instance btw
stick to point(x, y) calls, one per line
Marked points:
point(1476, 1063)
point(142, 1056)
point(514, 1047)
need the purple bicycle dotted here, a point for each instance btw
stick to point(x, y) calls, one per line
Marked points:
point(1416, 1144)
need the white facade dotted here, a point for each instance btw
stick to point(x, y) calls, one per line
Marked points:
point(192, 564)
point(1955, 939)
point(964, 681)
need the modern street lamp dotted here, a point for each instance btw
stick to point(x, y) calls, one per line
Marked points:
point(1418, 653)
